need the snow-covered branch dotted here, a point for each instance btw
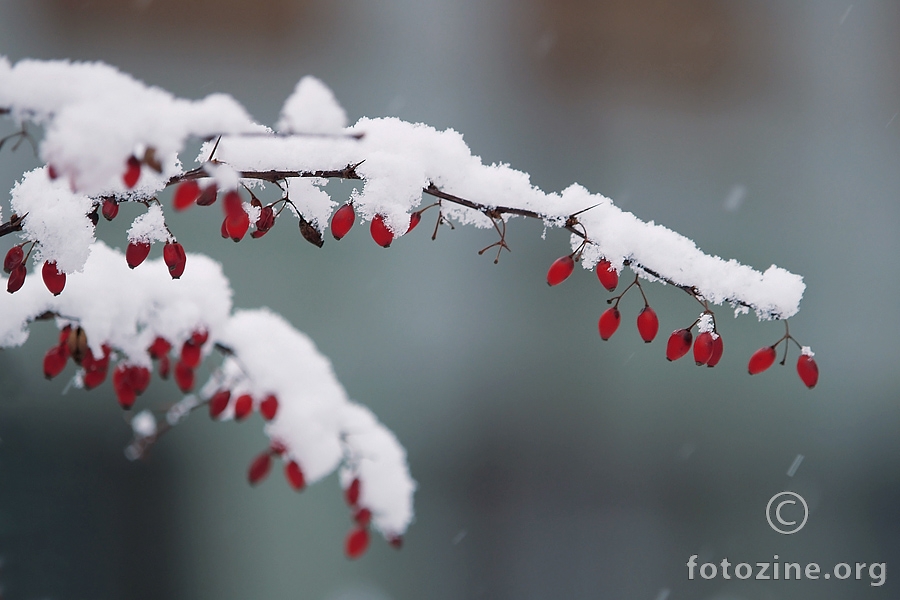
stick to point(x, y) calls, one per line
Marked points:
point(109, 139)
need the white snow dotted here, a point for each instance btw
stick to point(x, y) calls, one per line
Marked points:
point(149, 227)
point(312, 108)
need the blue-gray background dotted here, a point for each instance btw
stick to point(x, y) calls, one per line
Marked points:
point(550, 464)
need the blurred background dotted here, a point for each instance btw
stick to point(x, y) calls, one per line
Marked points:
point(550, 464)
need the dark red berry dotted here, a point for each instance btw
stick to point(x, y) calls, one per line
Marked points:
point(761, 360)
point(208, 195)
point(173, 254)
point(13, 259)
point(110, 209)
point(199, 337)
point(243, 406)
point(268, 408)
point(560, 270)
point(92, 379)
point(266, 220)
point(647, 324)
point(123, 385)
point(16, 279)
point(186, 194)
point(342, 221)
point(55, 360)
point(184, 377)
point(679, 343)
point(351, 494)
point(363, 517)
point(808, 370)
point(52, 173)
point(190, 354)
point(136, 253)
point(357, 542)
point(703, 348)
point(218, 403)
point(607, 275)
point(53, 279)
point(609, 322)
point(132, 172)
point(140, 378)
point(380, 232)
point(159, 348)
point(718, 349)
point(259, 468)
point(414, 220)
point(396, 541)
point(294, 475)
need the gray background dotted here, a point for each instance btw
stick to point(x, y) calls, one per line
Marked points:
point(550, 464)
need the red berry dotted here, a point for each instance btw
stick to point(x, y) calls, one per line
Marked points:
point(560, 270)
point(259, 468)
point(761, 360)
point(13, 259)
point(342, 221)
point(184, 377)
point(186, 194)
point(190, 354)
point(362, 517)
point(266, 220)
point(92, 379)
point(351, 494)
point(607, 275)
point(173, 254)
point(647, 324)
point(237, 225)
point(123, 385)
point(703, 348)
point(208, 195)
point(679, 343)
point(53, 279)
point(16, 279)
point(243, 406)
point(164, 367)
point(413, 221)
point(140, 378)
point(808, 370)
point(357, 542)
point(223, 231)
point(380, 232)
point(136, 253)
point(199, 337)
point(396, 541)
point(609, 322)
point(55, 360)
point(132, 172)
point(159, 348)
point(51, 172)
point(718, 349)
point(268, 408)
point(294, 475)
point(218, 403)
point(110, 209)
point(232, 203)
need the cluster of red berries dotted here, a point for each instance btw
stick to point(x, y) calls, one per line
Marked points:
point(344, 217)
point(242, 405)
point(708, 347)
point(73, 344)
point(14, 265)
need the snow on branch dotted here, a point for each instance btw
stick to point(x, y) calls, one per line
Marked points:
point(125, 316)
point(110, 139)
